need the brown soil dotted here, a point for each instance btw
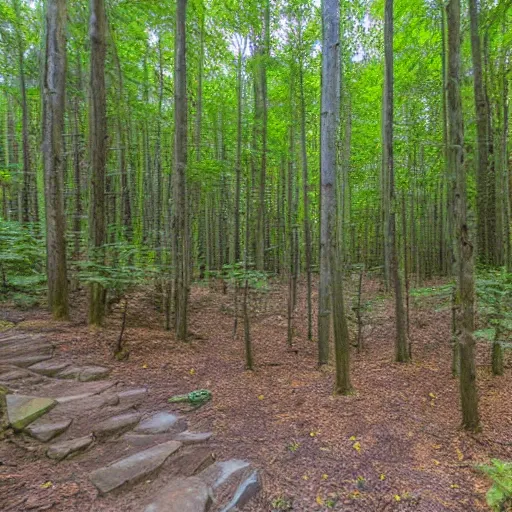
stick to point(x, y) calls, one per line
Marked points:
point(395, 444)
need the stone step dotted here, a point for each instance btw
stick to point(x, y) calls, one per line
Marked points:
point(247, 490)
point(45, 432)
point(182, 495)
point(23, 410)
point(49, 368)
point(133, 468)
point(116, 425)
point(59, 451)
point(161, 422)
point(83, 373)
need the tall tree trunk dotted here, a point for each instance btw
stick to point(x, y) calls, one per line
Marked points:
point(329, 235)
point(465, 298)
point(98, 153)
point(54, 87)
point(305, 189)
point(238, 164)
point(77, 163)
point(27, 177)
point(484, 237)
point(401, 348)
point(180, 210)
point(262, 77)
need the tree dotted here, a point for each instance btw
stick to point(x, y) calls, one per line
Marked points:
point(465, 315)
point(486, 224)
point(402, 352)
point(180, 203)
point(98, 154)
point(53, 158)
point(330, 272)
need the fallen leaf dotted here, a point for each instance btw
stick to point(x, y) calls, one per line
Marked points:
point(305, 477)
point(319, 500)
point(382, 476)
point(352, 438)
point(397, 497)
point(357, 446)
point(144, 365)
point(325, 476)
point(431, 395)
point(454, 486)
point(460, 455)
point(436, 462)
point(261, 397)
point(46, 485)
point(192, 371)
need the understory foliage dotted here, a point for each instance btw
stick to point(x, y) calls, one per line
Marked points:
point(499, 496)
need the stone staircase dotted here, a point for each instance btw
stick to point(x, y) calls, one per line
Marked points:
point(138, 459)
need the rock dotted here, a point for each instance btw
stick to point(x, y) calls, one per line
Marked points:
point(133, 468)
point(72, 398)
point(62, 450)
point(49, 368)
point(117, 424)
point(29, 360)
point(159, 423)
point(245, 492)
point(132, 396)
point(182, 495)
point(14, 375)
point(221, 472)
point(72, 372)
point(90, 373)
point(188, 437)
point(190, 460)
point(23, 410)
point(47, 431)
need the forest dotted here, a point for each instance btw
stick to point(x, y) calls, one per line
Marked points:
point(288, 222)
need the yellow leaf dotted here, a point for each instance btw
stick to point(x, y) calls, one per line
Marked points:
point(352, 438)
point(460, 455)
point(382, 476)
point(325, 476)
point(319, 500)
point(261, 397)
point(144, 365)
point(454, 486)
point(313, 434)
point(46, 485)
point(305, 477)
point(357, 446)
point(431, 395)
point(397, 497)
point(324, 449)
point(192, 371)
point(436, 446)
point(436, 462)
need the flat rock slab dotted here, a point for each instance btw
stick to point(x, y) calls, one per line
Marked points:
point(47, 431)
point(132, 396)
point(66, 391)
point(28, 360)
point(23, 410)
point(116, 424)
point(245, 492)
point(62, 450)
point(182, 495)
point(49, 368)
point(159, 423)
point(133, 468)
point(188, 437)
point(222, 472)
point(72, 372)
point(90, 373)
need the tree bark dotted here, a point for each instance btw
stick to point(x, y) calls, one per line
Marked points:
point(401, 347)
point(54, 86)
point(331, 265)
point(465, 297)
point(98, 153)
point(180, 210)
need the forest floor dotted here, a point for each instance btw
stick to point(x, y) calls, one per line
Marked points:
point(395, 444)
